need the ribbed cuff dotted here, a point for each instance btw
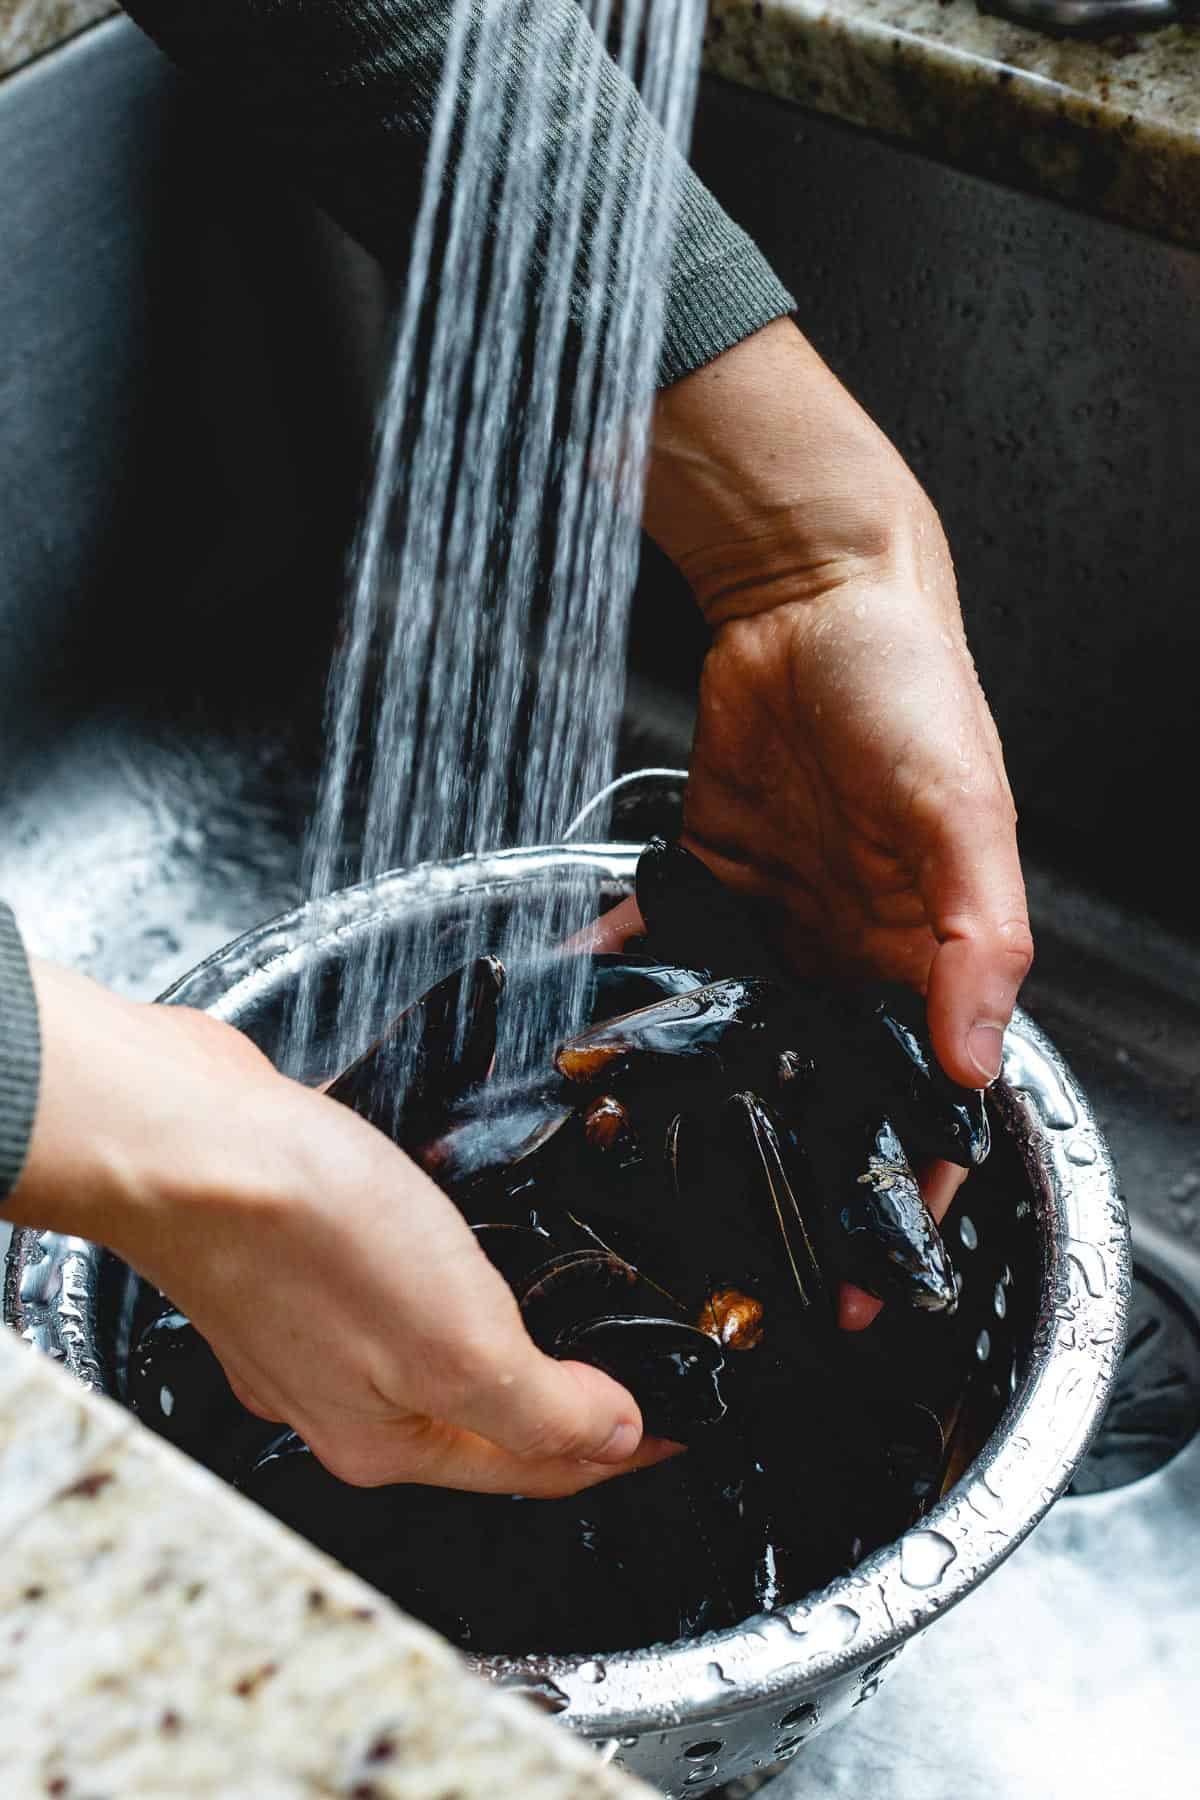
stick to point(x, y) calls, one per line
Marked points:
point(719, 307)
point(20, 1053)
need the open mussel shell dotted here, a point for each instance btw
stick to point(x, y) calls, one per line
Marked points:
point(580, 1284)
point(696, 1033)
point(672, 1370)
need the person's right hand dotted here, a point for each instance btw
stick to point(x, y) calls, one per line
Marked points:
point(342, 1291)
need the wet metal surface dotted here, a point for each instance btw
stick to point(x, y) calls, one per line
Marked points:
point(1070, 1675)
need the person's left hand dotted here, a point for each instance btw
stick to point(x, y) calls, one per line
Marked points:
point(846, 773)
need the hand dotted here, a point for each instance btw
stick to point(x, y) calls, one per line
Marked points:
point(846, 770)
point(341, 1290)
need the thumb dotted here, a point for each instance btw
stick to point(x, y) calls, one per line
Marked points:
point(974, 899)
point(538, 1408)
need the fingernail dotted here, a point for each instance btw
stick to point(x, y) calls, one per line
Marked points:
point(985, 1047)
point(620, 1446)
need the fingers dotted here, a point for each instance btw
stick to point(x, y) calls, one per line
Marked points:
point(538, 1409)
point(248, 1398)
point(433, 1453)
point(939, 1184)
point(856, 1308)
point(975, 898)
point(608, 934)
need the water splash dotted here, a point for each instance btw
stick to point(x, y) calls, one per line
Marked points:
point(477, 693)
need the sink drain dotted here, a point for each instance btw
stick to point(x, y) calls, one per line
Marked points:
point(1155, 1408)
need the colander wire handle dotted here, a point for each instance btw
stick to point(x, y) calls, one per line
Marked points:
point(622, 785)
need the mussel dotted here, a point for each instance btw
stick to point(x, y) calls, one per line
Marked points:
point(674, 1196)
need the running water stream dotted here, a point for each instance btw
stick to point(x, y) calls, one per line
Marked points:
point(477, 692)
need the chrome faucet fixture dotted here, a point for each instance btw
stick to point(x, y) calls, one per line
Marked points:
point(1092, 18)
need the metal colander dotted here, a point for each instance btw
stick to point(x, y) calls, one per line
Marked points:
point(690, 1716)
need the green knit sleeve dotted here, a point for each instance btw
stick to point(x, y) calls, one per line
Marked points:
point(344, 92)
point(20, 1053)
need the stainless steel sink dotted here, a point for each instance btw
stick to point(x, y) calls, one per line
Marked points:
point(188, 357)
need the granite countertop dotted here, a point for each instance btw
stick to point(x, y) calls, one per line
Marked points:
point(27, 27)
point(159, 1635)
point(1112, 127)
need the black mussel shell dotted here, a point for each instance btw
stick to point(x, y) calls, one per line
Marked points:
point(179, 1389)
point(880, 1233)
point(700, 1033)
point(870, 1046)
point(934, 1114)
point(756, 1135)
point(692, 916)
point(576, 1285)
point(621, 983)
point(670, 1369)
point(443, 1045)
point(501, 1135)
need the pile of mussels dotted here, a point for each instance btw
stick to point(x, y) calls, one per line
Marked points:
point(675, 1201)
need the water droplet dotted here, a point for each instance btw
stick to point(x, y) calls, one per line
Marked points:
point(924, 1558)
point(1090, 1263)
point(41, 1281)
point(166, 1401)
point(1081, 1153)
point(983, 1345)
point(1000, 1300)
point(968, 1233)
point(629, 1743)
point(786, 1748)
point(704, 1774)
point(591, 1671)
point(833, 1628)
point(984, 1499)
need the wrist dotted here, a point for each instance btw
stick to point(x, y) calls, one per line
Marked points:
point(767, 483)
point(144, 1113)
point(75, 1169)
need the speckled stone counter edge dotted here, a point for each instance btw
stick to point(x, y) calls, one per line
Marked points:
point(28, 27)
point(1095, 135)
point(159, 1635)
point(1112, 128)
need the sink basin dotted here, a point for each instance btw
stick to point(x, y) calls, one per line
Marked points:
point(188, 359)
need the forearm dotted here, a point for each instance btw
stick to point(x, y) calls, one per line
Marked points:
point(344, 91)
point(765, 471)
